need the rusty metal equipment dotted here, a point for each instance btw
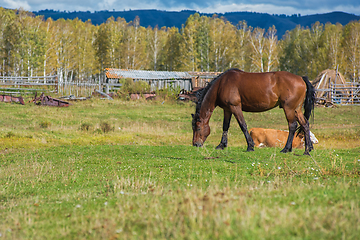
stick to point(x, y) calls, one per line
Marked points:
point(8, 98)
point(188, 95)
point(49, 101)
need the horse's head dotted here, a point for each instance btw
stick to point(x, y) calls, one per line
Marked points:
point(201, 130)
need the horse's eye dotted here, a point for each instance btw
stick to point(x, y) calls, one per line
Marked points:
point(198, 129)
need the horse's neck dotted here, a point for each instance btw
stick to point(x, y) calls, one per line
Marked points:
point(208, 105)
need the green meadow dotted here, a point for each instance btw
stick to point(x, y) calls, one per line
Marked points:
point(119, 169)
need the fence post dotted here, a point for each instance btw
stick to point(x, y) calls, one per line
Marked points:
point(331, 93)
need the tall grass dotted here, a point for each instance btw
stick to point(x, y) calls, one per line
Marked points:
point(125, 170)
point(153, 123)
point(132, 192)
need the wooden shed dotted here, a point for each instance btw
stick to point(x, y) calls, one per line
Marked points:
point(156, 79)
point(200, 79)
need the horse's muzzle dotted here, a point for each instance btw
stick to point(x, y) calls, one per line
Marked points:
point(197, 144)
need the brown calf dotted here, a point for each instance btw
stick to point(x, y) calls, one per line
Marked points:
point(277, 138)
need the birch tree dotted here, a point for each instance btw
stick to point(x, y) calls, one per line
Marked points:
point(352, 49)
point(241, 56)
point(188, 43)
point(271, 49)
point(170, 55)
point(257, 41)
point(156, 41)
point(223, 44)
point(332, 43)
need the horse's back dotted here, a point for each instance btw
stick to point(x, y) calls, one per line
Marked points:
point(257, 92)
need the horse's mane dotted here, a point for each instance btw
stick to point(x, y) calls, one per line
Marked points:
point(200, 94)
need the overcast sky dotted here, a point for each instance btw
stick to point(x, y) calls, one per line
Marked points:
point(288, 7)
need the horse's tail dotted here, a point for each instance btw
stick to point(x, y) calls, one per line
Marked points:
point(309, 102)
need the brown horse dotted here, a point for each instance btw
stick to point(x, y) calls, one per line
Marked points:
point(236, 91)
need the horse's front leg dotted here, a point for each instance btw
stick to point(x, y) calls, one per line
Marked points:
point(236, 110)
point(226, 125)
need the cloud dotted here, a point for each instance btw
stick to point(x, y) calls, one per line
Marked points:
point(276, 9)
point(205, 6)
point(15, 4)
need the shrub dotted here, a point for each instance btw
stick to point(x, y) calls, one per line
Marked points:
point(106, 127)
point(98, 131)
point(129, 86)
point(86, 126)
point(9, 135)
point(45, 124)
point(170, 93)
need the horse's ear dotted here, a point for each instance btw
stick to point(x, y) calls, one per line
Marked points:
point(192, 115)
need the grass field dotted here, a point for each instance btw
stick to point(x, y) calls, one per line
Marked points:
point(126, 170)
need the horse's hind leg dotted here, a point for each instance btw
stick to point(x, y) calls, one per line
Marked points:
point(226, 125)
point(236, 110)
point(305, 127)
point(290, 117)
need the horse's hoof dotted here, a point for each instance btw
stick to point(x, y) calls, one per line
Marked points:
point(250, 150)
point(307, 152)
point(285, 150)
point(220, 147)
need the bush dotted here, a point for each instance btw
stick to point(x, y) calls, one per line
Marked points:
point(45, 124)
point(86, 126)
point(129, 86)
point(106, 127)
point(170, 93)
point(98, 131)
point(9, 135)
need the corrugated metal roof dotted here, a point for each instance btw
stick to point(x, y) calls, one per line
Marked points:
point(145, 75)
point(205, 74)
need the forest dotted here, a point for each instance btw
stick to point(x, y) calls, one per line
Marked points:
point(32, 46)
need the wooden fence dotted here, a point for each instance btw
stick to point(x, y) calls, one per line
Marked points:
point(17, 85)
point(55, 84)
point(342, 94)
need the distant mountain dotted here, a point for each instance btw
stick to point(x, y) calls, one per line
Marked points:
point(177, 19)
